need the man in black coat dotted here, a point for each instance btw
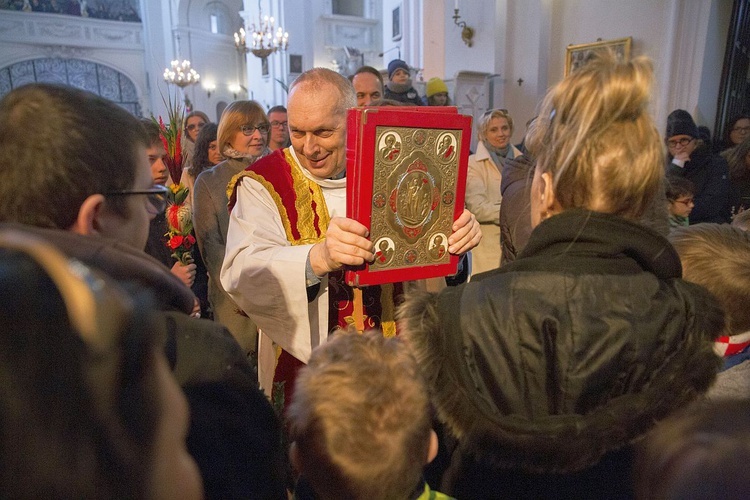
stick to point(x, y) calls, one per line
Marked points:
point(690, 158)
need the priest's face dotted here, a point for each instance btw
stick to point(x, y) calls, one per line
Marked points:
point(317, 123)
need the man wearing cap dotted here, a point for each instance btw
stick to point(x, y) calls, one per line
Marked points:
point(399, 87)
point(691, 159)
point(437, 93)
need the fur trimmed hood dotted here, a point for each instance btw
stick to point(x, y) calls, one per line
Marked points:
point(574, 350)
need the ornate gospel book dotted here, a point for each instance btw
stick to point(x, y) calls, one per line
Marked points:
point(406, 180)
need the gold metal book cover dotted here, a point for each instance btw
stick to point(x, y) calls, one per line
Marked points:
point(413, 196)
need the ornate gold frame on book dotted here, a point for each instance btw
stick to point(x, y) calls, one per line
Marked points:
point(406, 179)
point(578, 55)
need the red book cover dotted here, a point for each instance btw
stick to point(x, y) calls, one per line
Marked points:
point(406, 180)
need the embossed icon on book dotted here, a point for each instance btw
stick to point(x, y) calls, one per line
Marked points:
point(414, 199)
point(446, 147)
point(438, 246)
point(419, 137)
point(385, 250)
point(379, 200)
point(390, 147)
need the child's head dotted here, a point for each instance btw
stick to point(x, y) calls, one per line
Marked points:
point(680, 196)
point(359, 419)
point(716, 256)
point(398, 71)
point(703, 453)
point(156, 152)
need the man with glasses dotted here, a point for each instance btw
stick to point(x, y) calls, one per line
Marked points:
point(279, 138)
point(693, 160)
point(81, 180)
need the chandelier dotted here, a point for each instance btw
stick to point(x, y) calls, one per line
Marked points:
point(181, 74)
point(266, 38)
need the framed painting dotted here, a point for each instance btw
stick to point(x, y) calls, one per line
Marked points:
point(295, 64)
point(578, 55)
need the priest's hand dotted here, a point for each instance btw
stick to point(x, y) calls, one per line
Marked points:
point(346, 243)
point(466, 234)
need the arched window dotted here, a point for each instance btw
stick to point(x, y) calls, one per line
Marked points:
point(87, 75)
point(217, 18)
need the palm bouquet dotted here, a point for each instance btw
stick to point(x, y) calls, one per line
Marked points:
point(179, 216)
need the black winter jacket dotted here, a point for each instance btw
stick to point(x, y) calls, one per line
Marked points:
point(547, 368)
point(709, 173)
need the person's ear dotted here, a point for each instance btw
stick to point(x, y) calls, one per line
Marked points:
point(88, 222)
point(432, 451)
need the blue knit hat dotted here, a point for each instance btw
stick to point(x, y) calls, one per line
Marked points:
point(396, 64)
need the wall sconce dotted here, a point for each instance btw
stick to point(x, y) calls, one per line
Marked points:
point(235, 89)
point(467, 32)
point(209, 87)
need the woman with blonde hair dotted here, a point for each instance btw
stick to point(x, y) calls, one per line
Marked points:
point(546, 370)
point(242, 138)
point(483, 184)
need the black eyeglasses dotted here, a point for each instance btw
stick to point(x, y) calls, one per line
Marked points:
point(250, 130)
point(157, 195)
point(194, 126)
point(741, 129)
point(687, 202)
point(278, 124)
point(682, 142)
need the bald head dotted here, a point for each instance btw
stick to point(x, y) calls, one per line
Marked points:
point(318, 80)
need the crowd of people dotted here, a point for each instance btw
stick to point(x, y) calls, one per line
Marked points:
point(594, 344)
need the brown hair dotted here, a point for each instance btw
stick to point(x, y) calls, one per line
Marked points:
point(235, 115)
point(701, 453)
point(595, 137)
point(675, 187)
point(716, 256)
point(85, 145)
point(199, 114)
point(360, 418)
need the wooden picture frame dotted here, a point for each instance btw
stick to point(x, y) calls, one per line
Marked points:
point(578, 55)
point(397, 31)
point(295, 64)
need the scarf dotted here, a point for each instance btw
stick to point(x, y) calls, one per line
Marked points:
point(497, 153)
point(399, 88)
point(734, 348)
point(230, 152)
